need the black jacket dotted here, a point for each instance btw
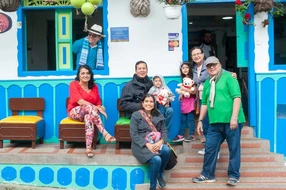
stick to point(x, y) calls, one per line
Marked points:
point(132, 94)
point(139, 128)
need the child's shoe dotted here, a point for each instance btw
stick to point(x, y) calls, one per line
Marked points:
point(178, 138)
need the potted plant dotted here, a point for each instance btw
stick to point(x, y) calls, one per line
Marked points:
point(172, 8)
point(269, 6)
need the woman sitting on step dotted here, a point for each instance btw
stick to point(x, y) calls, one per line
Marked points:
point(149, 134)
point(85, 105)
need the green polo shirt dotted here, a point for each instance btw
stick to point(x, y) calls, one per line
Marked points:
point(227, 88)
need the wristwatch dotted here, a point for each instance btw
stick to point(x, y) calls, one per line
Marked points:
point(200, 120)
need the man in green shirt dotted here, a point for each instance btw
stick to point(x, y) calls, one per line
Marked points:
point(221, 99)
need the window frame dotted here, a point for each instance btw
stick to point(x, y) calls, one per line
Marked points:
point(22, 45)
point(272, 66)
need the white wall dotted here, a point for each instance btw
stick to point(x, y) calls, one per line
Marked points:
point(148, 41)
point(8, 50)
point(261, 45)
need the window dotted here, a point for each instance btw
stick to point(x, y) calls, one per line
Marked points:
point(277, 41)
point(280, 40)
point(47, 35)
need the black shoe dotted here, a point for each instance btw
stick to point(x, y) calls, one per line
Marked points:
point(190, 138)
point(161, 182)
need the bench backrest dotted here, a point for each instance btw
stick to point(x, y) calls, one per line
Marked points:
point(27, 104)
point(122, 112)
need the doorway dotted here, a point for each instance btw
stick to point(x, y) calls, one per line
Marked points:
point(219, 21)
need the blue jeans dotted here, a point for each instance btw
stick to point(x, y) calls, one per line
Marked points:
point(217, 133)
point(168, 114)
point(158, 164)
point(206, 123)
point(187, 120)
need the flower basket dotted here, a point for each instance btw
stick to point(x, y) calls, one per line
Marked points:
point(172, 11)
point(9, 5)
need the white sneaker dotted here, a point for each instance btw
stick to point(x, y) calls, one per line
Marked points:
point(202, 152)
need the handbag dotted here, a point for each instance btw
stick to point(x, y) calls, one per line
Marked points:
point(173, 156)
point(153, 137)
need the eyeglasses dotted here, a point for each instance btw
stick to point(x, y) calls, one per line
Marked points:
point(211, 65)
point(194, 55)
point(93, 35)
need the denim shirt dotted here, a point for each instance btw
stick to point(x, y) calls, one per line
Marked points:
point(204, 75)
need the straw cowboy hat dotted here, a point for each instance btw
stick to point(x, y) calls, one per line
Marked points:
point(96, 29)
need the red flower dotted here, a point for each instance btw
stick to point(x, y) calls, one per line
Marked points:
point(265, 22)
point(238, 2)
point(247, 16)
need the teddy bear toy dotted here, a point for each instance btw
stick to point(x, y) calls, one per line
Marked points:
point(187, 83)
point(162, 97)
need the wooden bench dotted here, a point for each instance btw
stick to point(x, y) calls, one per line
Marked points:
point(24, 127)
point(122, 127)
point(74, 131)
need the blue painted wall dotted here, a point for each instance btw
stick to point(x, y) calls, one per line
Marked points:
point(55, 93)
point(271, 110)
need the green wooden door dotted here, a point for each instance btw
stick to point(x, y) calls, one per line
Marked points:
point(241, 42)
point(64, 39)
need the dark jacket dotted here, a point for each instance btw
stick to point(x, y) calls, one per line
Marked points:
point(132, 94)
point(139, 128)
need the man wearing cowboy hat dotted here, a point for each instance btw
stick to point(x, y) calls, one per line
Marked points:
point(89, 49)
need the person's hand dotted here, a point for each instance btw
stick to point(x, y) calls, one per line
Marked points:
point(234, 75)
point(180, 98)
point(102, 107)
point(157, 145)
point(152, 148)
point(233, 124)
point(200, 128)
point(167, 104)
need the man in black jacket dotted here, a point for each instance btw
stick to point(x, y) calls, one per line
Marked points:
point(135, 89)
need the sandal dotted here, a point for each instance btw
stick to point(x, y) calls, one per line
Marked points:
point(108, 138)
point(89, 152)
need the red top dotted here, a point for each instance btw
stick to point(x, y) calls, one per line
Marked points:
point(77, 93)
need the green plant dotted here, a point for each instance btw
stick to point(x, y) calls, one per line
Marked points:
point(174, 2)
point(275, 9)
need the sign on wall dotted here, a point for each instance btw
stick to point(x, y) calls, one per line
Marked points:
point(5, 23)
point(119, 34)
point(173, 41)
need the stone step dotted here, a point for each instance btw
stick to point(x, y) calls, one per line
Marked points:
point(251, 158)
point(247, 145)
point(223, 173)
point(245, 172)
point(218, 185)
point(224, 167)
point(224, 179)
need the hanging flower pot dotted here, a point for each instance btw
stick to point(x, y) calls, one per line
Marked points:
point(172, 11)
point(9, 5)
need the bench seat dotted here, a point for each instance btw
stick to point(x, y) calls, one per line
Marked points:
point(24, 127)
point(122, 127)
point(74, 131)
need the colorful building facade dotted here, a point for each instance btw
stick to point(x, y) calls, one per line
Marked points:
point(37, 61)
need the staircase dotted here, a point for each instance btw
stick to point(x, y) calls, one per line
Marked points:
point(260, 169)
